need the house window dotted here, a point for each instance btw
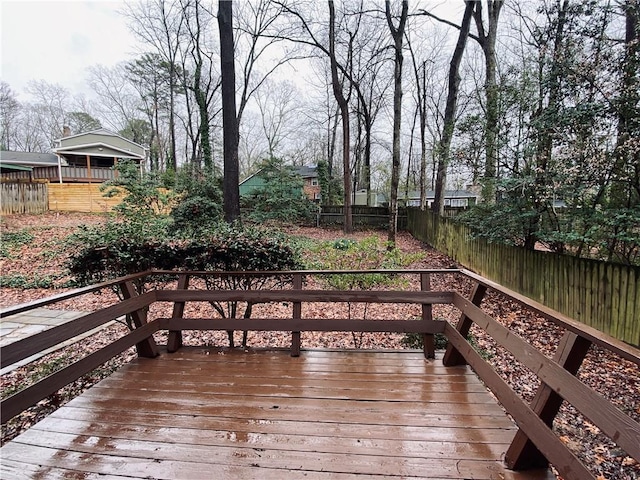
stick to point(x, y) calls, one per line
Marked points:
point(314, 182)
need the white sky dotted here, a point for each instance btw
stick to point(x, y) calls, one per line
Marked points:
point(56, 40)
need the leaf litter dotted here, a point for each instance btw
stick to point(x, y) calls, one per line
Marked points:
point(615, 379)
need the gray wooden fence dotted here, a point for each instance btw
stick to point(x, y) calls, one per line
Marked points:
point(603, 295)
point(376, 217)
point(23, 197)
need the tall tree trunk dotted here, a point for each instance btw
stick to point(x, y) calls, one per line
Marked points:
point(420, 74)
point(231, 180)
point(423, 140)
point(544, 147)
point(450, 109)
point(627, 166)
point(172, 162)
point(344, 113)
point(201, 98)
point(488, 44)
point(398, 36)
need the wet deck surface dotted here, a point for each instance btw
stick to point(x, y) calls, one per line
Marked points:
point(215, 415)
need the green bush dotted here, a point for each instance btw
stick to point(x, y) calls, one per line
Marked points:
point(282, 197)
point(367, 254)
point(114, 249)
point(200, 202)
point(144, 195)
point(224, 248)
point(12, 240)
point(23, 282)
point(414, 340)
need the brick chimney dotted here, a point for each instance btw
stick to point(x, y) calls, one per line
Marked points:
point(66, 131)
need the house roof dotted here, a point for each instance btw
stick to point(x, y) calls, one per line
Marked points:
point(304, 171)
point(307, 171)
point(9, 167)
point(28, 159)
point(99, 131)
point(99, 143)
point(431, 194)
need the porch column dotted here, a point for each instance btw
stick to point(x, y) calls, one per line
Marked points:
point(115, 167)
point(89, 167)
point(59, 169)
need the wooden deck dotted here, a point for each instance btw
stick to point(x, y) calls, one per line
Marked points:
point(210, 413)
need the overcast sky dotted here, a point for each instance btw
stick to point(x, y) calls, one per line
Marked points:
point(56, 40)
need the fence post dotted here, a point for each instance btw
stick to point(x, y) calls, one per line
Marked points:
point(522, 453)
point(452, 356)
point(428, 342)
point(174, 342)
point(146, 348)
point(297, 315)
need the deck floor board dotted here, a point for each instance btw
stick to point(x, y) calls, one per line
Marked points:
point(208, 413)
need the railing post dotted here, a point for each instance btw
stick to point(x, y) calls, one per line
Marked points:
point(428, 343)
point(522, 453)
point(297, 315)
point(146, 348)
point(452, 357)
point(174, 342)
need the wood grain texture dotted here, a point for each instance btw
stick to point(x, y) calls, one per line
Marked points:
point(605, 296)
point(264, 414)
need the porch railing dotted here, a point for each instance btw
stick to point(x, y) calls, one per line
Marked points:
point(73, 173)
point(534, 445)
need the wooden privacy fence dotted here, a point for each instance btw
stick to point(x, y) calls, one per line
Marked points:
point(362, 216)
point(535, 444)
point(602, 295)
point(23, 197)
point(80, 197)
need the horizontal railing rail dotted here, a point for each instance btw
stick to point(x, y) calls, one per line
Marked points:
point(535, 444)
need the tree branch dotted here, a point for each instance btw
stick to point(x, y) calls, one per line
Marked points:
point(446, 22)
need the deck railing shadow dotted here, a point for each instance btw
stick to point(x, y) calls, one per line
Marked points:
point(535, 444)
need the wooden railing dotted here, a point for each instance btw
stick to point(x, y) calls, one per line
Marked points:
point(73, 173)
point(534, 445)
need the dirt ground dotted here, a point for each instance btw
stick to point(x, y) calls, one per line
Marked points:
point(41, 261)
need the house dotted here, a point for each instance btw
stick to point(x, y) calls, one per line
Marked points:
point(21, 165)
point(309, 176)
point(452, 198)
point(83, 158)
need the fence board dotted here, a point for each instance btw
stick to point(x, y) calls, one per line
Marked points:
point(362, 215)
point(23, 197)
point(80, 197)
point(602, 295)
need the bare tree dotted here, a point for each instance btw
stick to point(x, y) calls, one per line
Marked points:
point(302, 32)
point(204, 82)
point(50, 103)
point(277, 102)
point(9, 116)
point(118, 103)
point(343, 104)
point(160, 23)
point(487, 39)
point(450, 109)
point(367, 74)
point(397, 34)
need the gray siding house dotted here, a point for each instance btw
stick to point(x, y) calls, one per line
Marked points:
point(83, 158)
